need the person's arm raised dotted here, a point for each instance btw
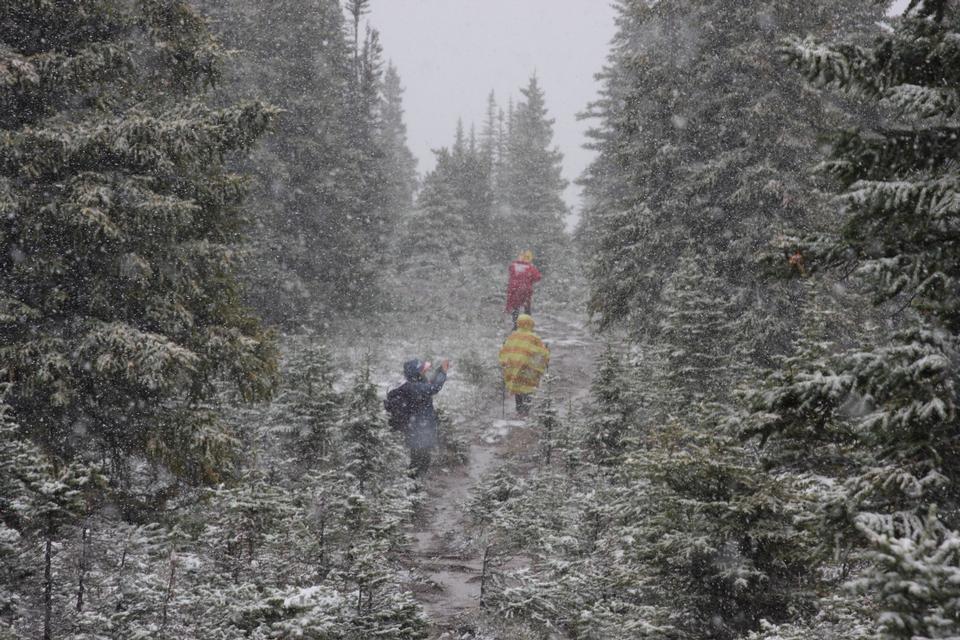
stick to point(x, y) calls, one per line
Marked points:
point(434, 387)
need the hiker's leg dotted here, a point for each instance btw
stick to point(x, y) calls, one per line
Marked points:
point(419, 461)
point(515, 314)
point(523, 404)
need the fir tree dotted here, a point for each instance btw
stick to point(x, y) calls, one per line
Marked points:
point(434, 233)
point(610, 425)
point(472, 183)
point(916, 580)
point(117, 275)
point(892, 481)
point(719, 537)
point(13, 527)
point(582, 534)
point(489, 140)
point(453, 448)
point(697, 341)
point(454, 211)
point(532, 181)
point(369, 447)
point(789, 405)
point(700, 146)
point(357, 10)
point(128, 581)
point(366, 162)
point(244, 527)
point(317, 405)
point(323, 189)
point(548, 423)
point(401, 166)
point(39, 498)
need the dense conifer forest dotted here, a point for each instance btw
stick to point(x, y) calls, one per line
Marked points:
point(217, 250)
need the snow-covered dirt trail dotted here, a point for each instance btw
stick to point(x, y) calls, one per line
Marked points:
point(445, 551)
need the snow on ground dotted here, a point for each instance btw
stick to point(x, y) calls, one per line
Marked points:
point(462, 319)
point(500, 429)
point(445, 553)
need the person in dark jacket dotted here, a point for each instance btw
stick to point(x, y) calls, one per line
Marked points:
point(410, 407)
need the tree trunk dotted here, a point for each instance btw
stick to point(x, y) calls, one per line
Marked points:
point(82, 568)
point(484, 570)
point(47, 588)
point(120, 567)
point(171, 583)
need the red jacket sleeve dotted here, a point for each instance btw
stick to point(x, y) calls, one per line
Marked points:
point(535, 276)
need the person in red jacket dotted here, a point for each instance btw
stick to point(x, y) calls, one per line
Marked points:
point(523, 275)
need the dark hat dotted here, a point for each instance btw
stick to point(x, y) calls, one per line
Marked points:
point(411, 369)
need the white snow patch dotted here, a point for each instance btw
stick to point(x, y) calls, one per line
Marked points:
point(897, 7)
point(500, 429)
point(568, 342)
point(312, 596)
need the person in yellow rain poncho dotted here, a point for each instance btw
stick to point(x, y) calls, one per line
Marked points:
point(523, 359)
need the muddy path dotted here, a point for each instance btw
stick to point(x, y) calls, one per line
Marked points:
point(446, 555)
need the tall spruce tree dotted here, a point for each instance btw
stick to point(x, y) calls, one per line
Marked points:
point(698, 343)
point(700, 142)
point(400, 166)
point(366, 158)
point(323, 188)
point(489, 135)
point(120, 305)
point(436, 232)
point(893, 399)
point(473, 183)
point(532, 183)
point(454, 212)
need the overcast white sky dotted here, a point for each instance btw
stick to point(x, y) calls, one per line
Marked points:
point(451, 53)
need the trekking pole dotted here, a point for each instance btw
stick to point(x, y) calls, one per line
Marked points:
point(503, 399)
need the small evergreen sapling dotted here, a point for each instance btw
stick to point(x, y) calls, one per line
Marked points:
point(916, 579)
point(548, 423)
point(369, 448)
point(719, 535)
point(453, 449)
point(40, 498)
point(611, 427)
point(316, 404)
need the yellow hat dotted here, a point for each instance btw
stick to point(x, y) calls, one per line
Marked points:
point(526, 255)
point(525, 321)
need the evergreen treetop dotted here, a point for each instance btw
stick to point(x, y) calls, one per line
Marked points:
point(533, 183)
point(401, 169)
